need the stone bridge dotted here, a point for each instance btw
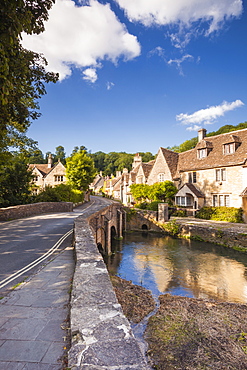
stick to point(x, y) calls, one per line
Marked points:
point(107, 224)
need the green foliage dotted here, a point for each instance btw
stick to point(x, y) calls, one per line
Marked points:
point(14, 181)
point(161, 191)
point(116, 161)
point(171, 227)
point(60, 193)
point(59, 154)
point(153, 206)
point(140, 192)
point(180, 213)
point(229, 214)
point(22, 72)
point(80, 170)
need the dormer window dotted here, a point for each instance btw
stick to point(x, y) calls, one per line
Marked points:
point(202, 153)
point(231, 145)
point(204, 147)
point(229, 148)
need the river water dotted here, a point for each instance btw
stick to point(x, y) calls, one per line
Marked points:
point(181, 267)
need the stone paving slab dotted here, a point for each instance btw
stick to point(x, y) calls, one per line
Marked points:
point(34, 318)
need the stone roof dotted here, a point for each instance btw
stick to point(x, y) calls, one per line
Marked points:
point(171, 160)
point(189, 161)
point(147, 167)
point(193, 189)
point(42, 168)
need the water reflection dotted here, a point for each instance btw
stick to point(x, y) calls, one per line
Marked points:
point(181, 267)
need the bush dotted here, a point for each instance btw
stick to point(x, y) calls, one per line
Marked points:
point(153, 206)
point(229, 214)
point(179, 213)
point(60, 193)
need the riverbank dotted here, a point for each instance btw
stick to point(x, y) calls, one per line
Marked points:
point(188, 333)
point(227, 234)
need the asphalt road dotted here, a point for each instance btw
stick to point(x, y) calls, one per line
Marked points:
point(23, 241)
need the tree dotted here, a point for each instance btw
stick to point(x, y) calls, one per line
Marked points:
point(140, 192)
point(80, 170)
point(22, 72)
point(15, 181)
point(161, 191)
point(60, 154)
point(35, 155)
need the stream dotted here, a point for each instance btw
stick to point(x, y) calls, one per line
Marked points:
point(180, 267)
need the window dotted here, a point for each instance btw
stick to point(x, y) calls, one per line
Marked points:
point(35, 178)
point(227, 201)
point(202, 153)
point(215, 200)
point(184, 201)
point(194, 177)
point(229, 148)
point(220, 174)
point(221, 200)
point(161, 177)
point(58, 177)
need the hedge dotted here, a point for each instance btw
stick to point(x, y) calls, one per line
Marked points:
point(229, 214)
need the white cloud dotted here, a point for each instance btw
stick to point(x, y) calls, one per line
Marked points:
point(82, 36)
point(90, 75)
point(208, 115)
point(109, 85)
point(158, 51)
point(178, 62)
point(182, 12)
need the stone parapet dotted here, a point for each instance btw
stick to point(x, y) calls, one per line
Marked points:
point(27, 210)
point(101, 334)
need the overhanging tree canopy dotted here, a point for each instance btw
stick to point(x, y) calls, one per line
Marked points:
point(22, 72)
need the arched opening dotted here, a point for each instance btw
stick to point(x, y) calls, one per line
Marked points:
point(113, 232)
point(144, 227)
point(100, 248)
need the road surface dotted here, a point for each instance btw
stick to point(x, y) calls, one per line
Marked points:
point(25, 244)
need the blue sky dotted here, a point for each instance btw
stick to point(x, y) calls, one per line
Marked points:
point(139, 74)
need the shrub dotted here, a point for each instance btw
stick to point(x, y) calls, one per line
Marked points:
point(171, 227)
point(179, 213)
point(153, 206)
point(60, 193)
point(229, 214)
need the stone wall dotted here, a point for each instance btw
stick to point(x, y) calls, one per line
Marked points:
point(27, 210)
point(138, 218)
point(233, 236)
point(101, 334)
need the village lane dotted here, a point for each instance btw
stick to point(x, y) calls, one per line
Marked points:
point(24, 241)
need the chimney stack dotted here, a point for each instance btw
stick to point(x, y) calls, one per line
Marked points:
point(50, 161)
point(201, 134)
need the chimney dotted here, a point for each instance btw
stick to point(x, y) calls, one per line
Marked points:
point(201, 134)
point(137, 160)
point(50, 161)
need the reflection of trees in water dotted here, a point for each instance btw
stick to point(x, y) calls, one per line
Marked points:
point(205, 269)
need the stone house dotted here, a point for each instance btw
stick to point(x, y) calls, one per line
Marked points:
point(214, 173)
point(47, 175)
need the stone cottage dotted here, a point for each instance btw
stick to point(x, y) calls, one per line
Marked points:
point(47, 175)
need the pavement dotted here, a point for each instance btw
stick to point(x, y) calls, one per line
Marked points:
point(34, 318)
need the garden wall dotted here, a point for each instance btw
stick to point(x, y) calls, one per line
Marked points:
point(27, 210)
